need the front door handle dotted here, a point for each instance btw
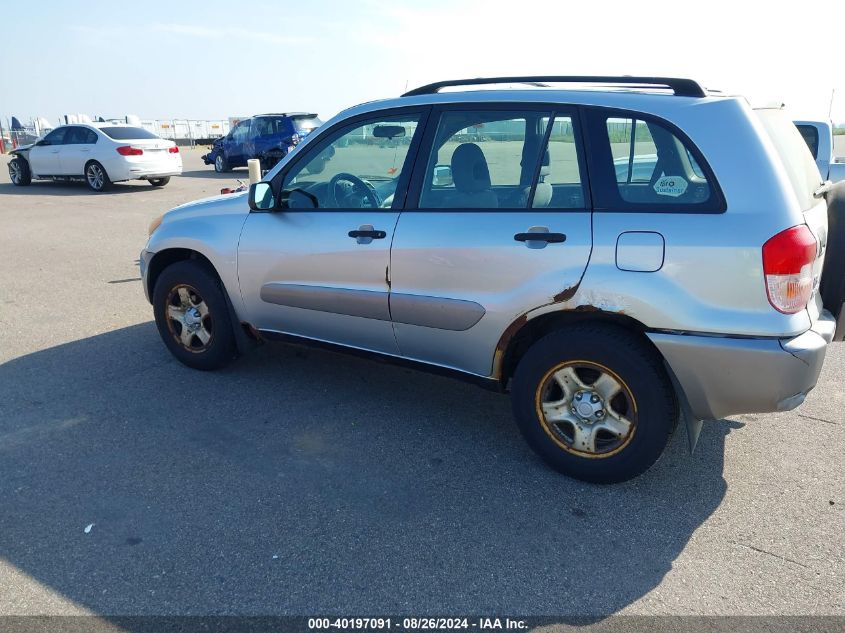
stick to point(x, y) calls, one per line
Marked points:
point(365, 234)
point(539, 237)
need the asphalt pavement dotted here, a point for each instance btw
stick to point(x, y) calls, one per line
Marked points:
point(306, 482)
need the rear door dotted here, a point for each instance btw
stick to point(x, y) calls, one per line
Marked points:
point(497, 223)
point(77, 150)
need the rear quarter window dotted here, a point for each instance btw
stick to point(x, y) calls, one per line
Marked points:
point(645, 164)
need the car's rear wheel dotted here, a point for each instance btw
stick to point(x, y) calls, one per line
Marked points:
point(192, 316)
point(594, 401)
point(220, 163)
point(96, 177)
point(19, 172)
point(159, 182)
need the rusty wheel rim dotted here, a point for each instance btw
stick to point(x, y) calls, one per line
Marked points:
point(586, 409)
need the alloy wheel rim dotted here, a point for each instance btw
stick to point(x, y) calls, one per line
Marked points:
point(586, 409)
point(95, 177)
point(14, 172)
point(218, 163)
point(189, 319)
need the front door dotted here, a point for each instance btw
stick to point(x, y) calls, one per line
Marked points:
point(319, 267)
point(501, 227)
point(44, 157)
point(233, 145)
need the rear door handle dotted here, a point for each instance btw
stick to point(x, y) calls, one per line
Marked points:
point(365, 234)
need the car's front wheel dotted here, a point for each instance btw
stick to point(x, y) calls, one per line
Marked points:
point(19, 172)
point(595, 402)
point(192, 316)
point(159, 182)
point(96, 177)
point(220, 163)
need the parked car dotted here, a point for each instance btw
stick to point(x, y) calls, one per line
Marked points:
point(606, 305)
point(819, 138)
point(267, 137)
point(99, 154)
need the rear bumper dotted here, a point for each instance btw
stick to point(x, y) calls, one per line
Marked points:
point(723, 376)
point(119, 170)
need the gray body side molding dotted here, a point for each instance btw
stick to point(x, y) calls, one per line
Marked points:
point(434, 312)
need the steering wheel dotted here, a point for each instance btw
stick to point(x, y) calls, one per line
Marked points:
point(358, 186)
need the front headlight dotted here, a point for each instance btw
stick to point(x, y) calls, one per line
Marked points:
point(155, 224)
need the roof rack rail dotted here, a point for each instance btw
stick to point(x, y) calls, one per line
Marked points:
point(681, 87)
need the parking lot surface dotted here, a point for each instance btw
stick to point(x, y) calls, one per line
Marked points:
point(305, 482)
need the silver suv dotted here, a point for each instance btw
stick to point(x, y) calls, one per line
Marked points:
point(616, 254)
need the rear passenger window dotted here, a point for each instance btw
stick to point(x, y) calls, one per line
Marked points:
point(502, 160)
point(649, 168)
point(483, 160)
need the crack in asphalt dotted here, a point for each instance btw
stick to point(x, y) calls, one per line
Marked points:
point(772, 554)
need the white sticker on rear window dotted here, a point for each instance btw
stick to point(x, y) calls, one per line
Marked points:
point(670, 186)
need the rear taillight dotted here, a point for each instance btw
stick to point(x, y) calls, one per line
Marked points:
point(173, 150)
point(128, 150)
point(788, 260)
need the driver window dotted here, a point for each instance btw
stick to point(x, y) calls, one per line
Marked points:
point(57, 136)
point(355, 167)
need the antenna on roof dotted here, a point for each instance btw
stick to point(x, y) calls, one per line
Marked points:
point(830, 109)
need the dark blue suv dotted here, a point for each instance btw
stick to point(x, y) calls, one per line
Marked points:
point(267, 137)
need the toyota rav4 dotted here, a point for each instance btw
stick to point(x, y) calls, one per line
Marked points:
point(619, 253)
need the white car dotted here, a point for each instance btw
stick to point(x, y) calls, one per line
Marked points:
point(99, 154)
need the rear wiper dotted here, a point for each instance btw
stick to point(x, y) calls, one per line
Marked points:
point(826, 186)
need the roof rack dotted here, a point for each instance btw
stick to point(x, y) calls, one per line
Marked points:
point(680, 87)
point(285, 114)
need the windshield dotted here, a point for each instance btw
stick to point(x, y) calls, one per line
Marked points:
point(125, 133)
point(794, 153)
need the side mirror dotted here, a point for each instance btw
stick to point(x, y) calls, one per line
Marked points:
point(42, 143)
point(442, 176)
point(261, 197)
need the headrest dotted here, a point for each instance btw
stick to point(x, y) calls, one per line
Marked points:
point(469, 168)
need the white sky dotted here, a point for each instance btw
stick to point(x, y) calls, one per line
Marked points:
point(214, 59)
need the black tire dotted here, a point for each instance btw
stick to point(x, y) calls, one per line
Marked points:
point(96, 177)
point(646, 397)
point(220, 163)
point(200, 283)
point(159, 182)
point(832, 286)
point(19, 172)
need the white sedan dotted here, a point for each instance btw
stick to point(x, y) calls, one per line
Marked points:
point(99, 154)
